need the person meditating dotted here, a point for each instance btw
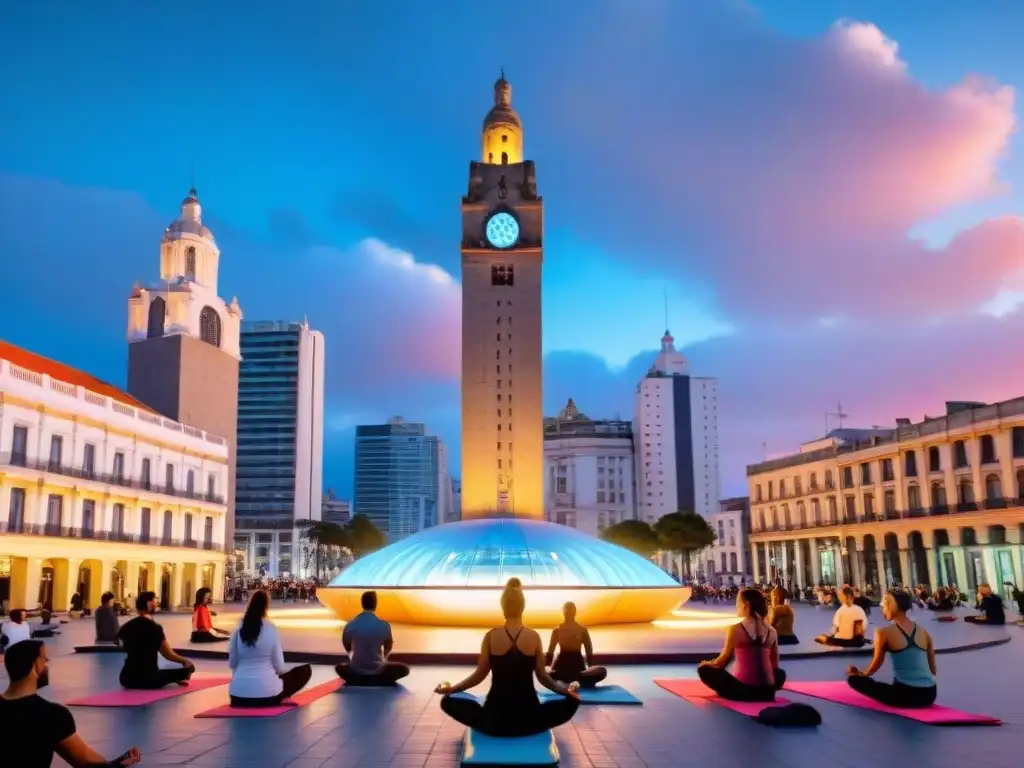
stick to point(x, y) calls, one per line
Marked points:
point(755, 645)
point(512, 654)
point(259, 677)
point(782, 618)
point(991, 607)
point(143, 639)
point(848, 624)
point(941, 601)
point(107, 624)
point(368, 642)
point(913, 659)
point(569, 638)
point(203, 630)
point(14, 630)
point(33, 729)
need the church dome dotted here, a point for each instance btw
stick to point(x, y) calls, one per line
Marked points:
point(190, 222)
point(502, 113)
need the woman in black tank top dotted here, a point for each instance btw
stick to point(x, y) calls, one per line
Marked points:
point(512, 707)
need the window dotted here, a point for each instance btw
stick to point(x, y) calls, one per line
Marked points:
point(869, 506)
point(168, 525)
point(865, 473)
point(19, 446)
point(771, 490)
point(782, 489)
point(959, 454)
point(965, 492)
point(503, 274)
point(732, 563)
point(190, 483)
point(88, 517)
point(939, 504)
point(504, 158)
point(157, 317)
point(208, 531)
point(169, 477)
point(890, 502)
point(814, 481)
point(56, 452)
point(993, 488)
point(190, 263)
point(1017, 440)
point(146, 471)
point(117, 521)
point(560, 485)
point(988, 450)
point(209, 326)
point(188, 526)
point(847, 477)
point(144, 524)
point(910, 463)
point(16, 512)
point(797, 484)
point(914, 497)
point(816, 511)
point(851, 509)
point(828, 478)
point(89, 459)
point(723, 563)
point(54, 514)
point(934, 459)
point(757, 492)
point(887, 475)
point(119, 465)
point(211, 486)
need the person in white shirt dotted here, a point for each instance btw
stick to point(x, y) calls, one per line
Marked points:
point(259, 677)
point(15, 630)
point(848, 624)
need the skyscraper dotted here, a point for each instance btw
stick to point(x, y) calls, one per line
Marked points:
point(280, 441)
point(502, 252)
point(183, 348)
point(402, 482)
point(675, 437)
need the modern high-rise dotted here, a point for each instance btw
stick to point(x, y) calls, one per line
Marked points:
point(675, 434)
point(402, 482)
point(335, 510)
point(183, 347)
point(502, 252)
point(589, 467)
point(279, 468)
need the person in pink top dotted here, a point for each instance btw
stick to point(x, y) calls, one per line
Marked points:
point(754, 644)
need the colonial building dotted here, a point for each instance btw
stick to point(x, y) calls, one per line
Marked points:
point(588, 471)
point(938, 502)
point(729, 557)
point(98, 492)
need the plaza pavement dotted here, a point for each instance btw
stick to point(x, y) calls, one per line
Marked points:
point(404, 727)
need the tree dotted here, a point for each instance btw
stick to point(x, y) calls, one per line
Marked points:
point(363, 537)
point(634, 535)
point(683, 533)
point(323, 537)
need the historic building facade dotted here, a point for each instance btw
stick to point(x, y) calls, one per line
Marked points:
point(98, 492)
point(502, 253)
point(938, 502)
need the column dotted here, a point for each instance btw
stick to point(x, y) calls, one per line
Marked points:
point(799, 553)
point(905, 566)
point(755, 566)
point(880, 565)
point(177, 579)
point(26, 573)
point(855, 564)
point(784, 579)
point(99, 580)
point(815, 563)
point(131, 588)
point(218, 581)
point(1007, 473)
point(960, 581)
point(154, 574)
point(840, 570)
point(5, 504)
point(65, 583)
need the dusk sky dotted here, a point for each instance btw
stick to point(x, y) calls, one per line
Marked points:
point(828, 192)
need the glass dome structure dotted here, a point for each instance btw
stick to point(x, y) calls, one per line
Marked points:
point(453, 575)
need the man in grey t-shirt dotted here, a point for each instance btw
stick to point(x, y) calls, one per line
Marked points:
point(368, 641)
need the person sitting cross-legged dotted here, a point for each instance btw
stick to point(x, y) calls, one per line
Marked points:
point(32, 729)
point(368, 641)
point(14, 630)
point(143, 640)
point(848, 624)
point(571, 639)
point(991, 607)
point(913, 659)
point(782, 618)
point(107, 623)
point(203, 630)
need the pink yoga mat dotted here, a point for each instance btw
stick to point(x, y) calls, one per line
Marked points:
point(839, 692)
point(126, 698)
point(694, 691)
point(300, 699)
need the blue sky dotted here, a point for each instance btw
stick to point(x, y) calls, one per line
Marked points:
point(703, 150)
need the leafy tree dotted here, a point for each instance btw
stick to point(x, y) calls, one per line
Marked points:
point(363, 537)
point(634, 535)
point(684, 533)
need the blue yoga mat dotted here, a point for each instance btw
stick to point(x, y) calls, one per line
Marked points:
point(602, 694)
point(525, 750)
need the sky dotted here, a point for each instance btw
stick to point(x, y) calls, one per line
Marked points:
point(827, 193)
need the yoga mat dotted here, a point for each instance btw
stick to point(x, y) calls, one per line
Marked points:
point(478, 749)
point(300, 699)
point(694, 691)
point(601, 694)
point(839, 692)
point(126, 698)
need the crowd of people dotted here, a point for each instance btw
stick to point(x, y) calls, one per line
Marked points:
point(282, 590)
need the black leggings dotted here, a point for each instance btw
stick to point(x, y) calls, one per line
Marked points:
point(893, 694)
point(969, 619)
point(199, 636)
point(728, 687)
point(391, 674)
point(788, 640)
point(292, 681)
point(570, 667)
point(159, 679)
point(547, 714)
point(839, 642)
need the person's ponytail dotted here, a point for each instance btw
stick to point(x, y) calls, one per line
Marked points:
point(513, 601)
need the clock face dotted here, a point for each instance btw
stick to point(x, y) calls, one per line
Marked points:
point(502, 230)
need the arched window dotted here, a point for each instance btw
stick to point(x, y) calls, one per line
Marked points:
point(939, 496)
point(966, 492)
point(504, 158)
point(190, 263)
point(157, 315)
point(828, 478)
point(913, 497)
point(209, 326)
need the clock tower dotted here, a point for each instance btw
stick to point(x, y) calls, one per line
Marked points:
point(502, 253)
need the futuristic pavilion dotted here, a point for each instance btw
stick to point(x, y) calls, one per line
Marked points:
point(452, 575)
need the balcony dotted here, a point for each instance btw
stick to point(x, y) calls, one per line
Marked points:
point(88, 534)
point(55, 468)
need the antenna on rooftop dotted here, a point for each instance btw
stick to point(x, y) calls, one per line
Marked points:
point(839, 415)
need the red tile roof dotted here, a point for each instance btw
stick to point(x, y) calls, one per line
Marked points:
point(44, 365)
